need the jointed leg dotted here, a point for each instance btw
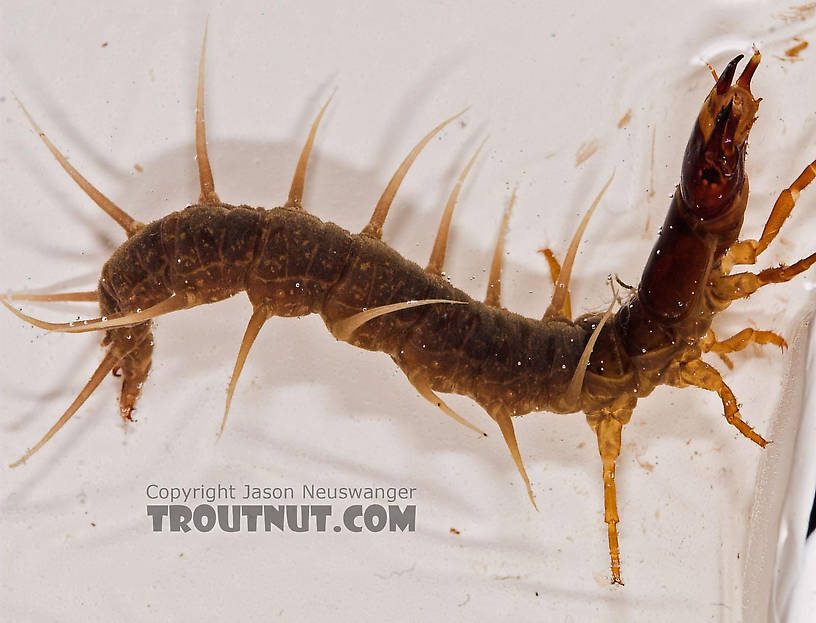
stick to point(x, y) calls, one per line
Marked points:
point(608, 430)
point(739, 341)
point(741, 285)
point(700, 374)
point(746, 251)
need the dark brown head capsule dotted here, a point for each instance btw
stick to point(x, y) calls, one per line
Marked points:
point(713, 166)
point(713, 169)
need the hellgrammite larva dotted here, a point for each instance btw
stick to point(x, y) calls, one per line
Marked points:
point(291, 263)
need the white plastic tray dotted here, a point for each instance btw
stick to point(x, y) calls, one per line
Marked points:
point(114, 87)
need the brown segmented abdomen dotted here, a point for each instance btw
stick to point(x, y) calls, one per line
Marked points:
point(205, 251)
point(293, 264)
point(297, 262)
point(488, 353)
point(504, 361)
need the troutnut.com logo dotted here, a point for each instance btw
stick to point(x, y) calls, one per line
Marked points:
point(349, 509)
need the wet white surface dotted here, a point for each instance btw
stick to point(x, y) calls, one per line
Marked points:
point(114, 88)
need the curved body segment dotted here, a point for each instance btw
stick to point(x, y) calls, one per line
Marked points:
point(291, 264)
